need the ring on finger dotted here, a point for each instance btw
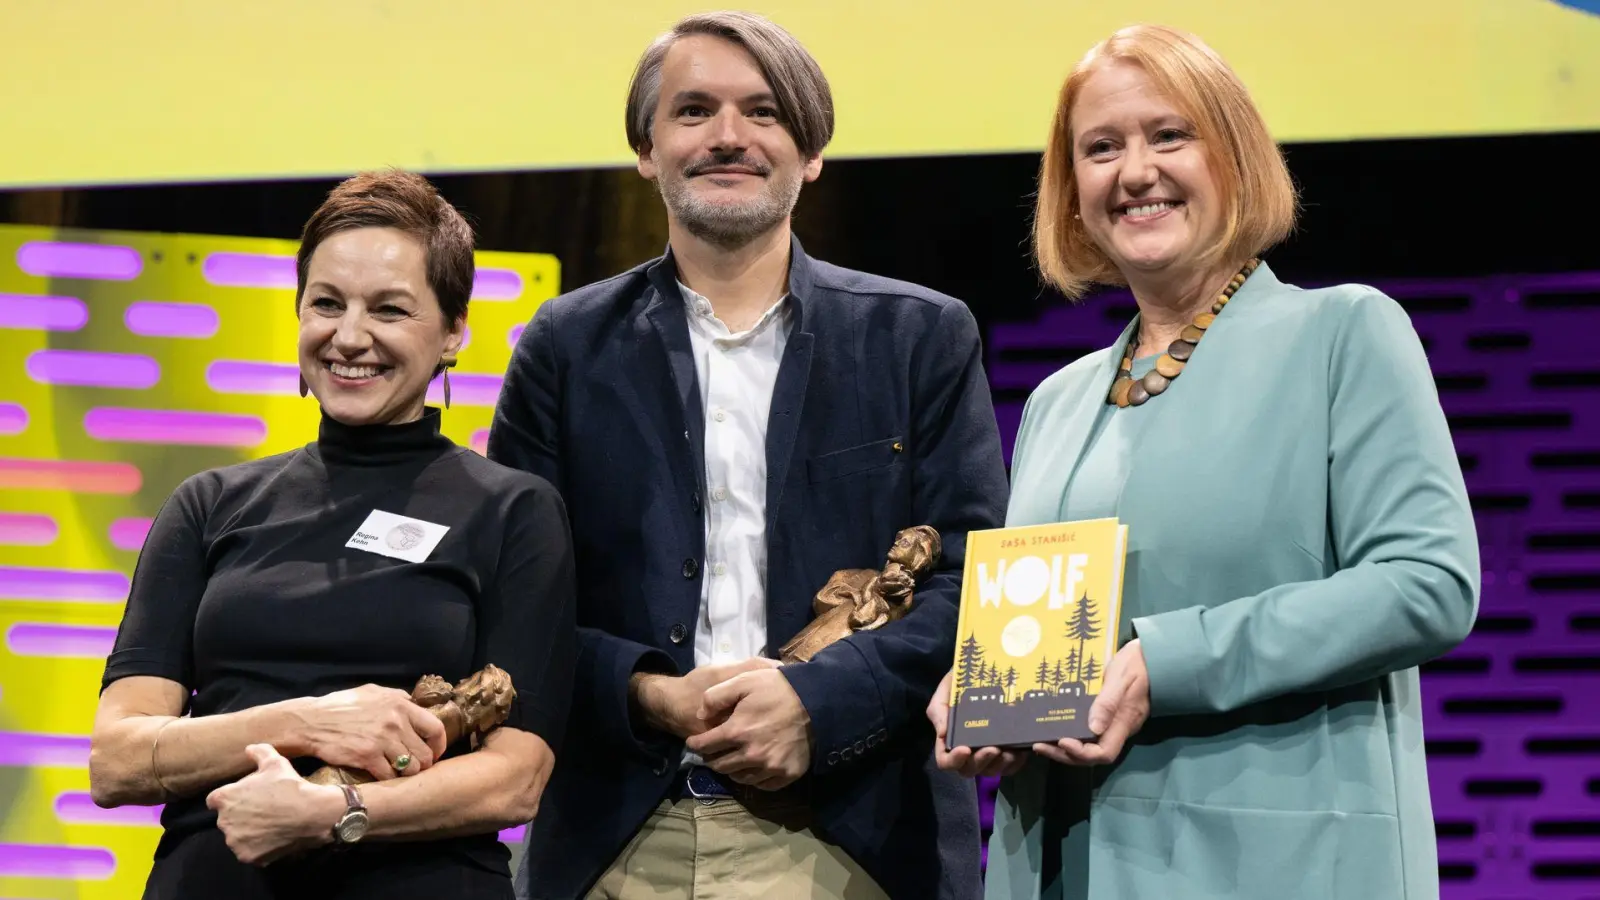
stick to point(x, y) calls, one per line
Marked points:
point(401, 762)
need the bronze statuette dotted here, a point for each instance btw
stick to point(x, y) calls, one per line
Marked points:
point(471, 709)
point(862, 599)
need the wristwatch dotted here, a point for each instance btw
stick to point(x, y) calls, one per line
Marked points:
point(352, 826)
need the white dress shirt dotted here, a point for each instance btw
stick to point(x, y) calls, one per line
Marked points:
point(737, 374)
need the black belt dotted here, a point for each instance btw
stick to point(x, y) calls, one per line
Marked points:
point(706, 786)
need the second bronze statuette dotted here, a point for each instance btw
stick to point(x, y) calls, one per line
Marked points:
point(864, 599)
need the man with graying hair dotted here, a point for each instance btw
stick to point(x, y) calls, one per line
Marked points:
point(729, 425)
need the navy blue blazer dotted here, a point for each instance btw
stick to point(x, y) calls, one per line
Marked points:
point(881, 419)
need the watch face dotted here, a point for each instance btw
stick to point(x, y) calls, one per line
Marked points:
point(351, 828)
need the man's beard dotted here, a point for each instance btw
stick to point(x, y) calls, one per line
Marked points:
point(730, 225)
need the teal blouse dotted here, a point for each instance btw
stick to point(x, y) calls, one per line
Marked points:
point(1299, 542)
point(1092, 488)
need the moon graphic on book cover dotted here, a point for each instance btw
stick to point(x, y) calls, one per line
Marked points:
point(1020, 636)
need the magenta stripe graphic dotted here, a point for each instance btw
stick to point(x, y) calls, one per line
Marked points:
point(66, 641)
point(228, 376)
point(48, 861)
point(89, 368)
point(18, 583)
point(514, 334)
point(59, 259)
point(185, 320)
point(13, 419)
point(514, 834)
point(20, 474)
point(128, 534)
point(161, 426)
point(77, 808)
point(41, 312)
point(480, 441)
point(468, 390)
point(27, 529)
point(258, 270)
point(21, 748)
point(496, 284)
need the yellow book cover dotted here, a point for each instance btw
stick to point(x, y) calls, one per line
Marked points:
point(1039, 612)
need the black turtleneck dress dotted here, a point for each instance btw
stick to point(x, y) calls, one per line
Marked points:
point(246, 593)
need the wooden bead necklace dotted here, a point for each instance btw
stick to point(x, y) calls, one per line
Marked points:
point(1126, 392)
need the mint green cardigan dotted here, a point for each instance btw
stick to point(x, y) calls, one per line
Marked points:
point(1299, 542)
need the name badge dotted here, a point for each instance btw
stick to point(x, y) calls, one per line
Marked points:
point(387, 534)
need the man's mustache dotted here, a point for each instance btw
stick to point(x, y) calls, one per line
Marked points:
point(739, 161)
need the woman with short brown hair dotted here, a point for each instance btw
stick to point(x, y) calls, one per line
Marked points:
point(282, 609)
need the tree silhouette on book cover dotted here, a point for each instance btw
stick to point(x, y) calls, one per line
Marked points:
point(991, 712)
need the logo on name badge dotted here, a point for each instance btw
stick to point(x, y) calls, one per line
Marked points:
point(397, 537)
point(404, 536)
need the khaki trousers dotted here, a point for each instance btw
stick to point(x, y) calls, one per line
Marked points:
point(688, 850)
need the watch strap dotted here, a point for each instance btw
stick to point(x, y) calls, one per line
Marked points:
point(354, 810)
point(352, 799)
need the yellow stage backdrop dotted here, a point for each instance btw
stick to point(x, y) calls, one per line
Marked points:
point(128, 362)
point(107, 91)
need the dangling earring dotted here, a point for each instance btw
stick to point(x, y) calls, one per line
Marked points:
point(304, 388)
point(442, 371)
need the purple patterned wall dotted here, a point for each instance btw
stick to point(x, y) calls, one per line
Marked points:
point(1512, 716)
